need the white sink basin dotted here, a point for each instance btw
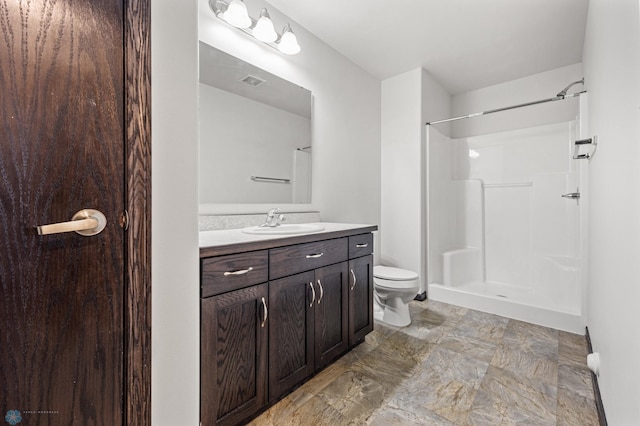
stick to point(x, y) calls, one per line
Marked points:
point(302, 228)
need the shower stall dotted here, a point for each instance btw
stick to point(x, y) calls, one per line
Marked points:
point(507, 221)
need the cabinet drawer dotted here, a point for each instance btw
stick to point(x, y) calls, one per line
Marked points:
point(226, 273)
point(360, 245)
point(305, 257)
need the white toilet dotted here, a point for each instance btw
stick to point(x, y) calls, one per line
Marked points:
point(393, 289)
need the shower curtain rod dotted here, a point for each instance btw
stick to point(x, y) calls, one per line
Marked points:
point(560, 96)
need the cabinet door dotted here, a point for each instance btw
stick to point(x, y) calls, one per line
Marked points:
point(291, 334)
point(331, 313)
point(233, 355)
point(360, 298)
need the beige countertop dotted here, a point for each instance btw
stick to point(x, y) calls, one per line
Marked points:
point(215, 243)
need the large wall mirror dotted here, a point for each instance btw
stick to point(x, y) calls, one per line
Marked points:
point(255, 134)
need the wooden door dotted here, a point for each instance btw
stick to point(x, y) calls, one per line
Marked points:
point(360, 298)
point(331, 313)
point(291, 349)
point(73, 307)
point(233, 355)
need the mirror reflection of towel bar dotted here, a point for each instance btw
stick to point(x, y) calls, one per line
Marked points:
point(506, 184)
point(269, 179)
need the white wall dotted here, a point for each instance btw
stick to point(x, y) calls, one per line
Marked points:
point(346, 116)
point(232, 151)
point(346, 188)
point(436, 103)
point(612, 75)
point(532, 88)
point(401, 221)
point(174, 233)
point(408, 101)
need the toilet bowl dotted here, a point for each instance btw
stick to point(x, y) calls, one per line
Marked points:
point(393, 289)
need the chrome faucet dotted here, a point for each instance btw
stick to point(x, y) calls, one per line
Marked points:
point(273, 218)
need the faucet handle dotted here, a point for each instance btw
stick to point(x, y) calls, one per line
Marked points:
point(273, 211)
point(272, 219)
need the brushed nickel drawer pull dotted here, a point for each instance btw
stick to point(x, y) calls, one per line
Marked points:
point(362, 245)
point(314, 256)
point(238, 272)
point(353, 274)
point(265, 313)
point(321, 292)
point(313, 292)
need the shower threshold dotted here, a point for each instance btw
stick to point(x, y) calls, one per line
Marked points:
point(509, 301)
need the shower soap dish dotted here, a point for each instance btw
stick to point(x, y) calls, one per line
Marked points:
point(593, 141)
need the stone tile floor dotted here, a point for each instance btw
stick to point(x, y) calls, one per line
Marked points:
point(451, 366)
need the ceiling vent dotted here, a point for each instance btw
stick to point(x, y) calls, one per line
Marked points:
point(252, 80)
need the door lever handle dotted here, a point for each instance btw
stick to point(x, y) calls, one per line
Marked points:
point(86, 222)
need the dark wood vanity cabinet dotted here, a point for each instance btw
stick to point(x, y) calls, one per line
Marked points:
point(360, 298)
point(272, 318)
point(331, 313)
point(360, 287)
point(233, 336)
point(233, 355)
point(291, 355)
point(308, 327)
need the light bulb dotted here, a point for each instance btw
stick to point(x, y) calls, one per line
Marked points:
point(288, 42)
point(237, 15)
point(264, 30)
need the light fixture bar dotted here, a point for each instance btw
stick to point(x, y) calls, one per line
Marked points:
point(261, 29)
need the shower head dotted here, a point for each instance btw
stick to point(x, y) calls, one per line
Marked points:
point(563, 92)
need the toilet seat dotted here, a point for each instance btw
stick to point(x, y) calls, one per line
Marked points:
point(396, 285)
point(393, 274)
point(394, 278)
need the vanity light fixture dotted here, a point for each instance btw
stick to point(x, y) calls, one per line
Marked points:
point(235, 14)
point(264, 30)
point(288, 42)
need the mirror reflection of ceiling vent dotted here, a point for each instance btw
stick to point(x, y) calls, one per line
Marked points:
point(252, 80)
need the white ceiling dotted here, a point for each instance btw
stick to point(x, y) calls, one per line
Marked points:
point(464, 44)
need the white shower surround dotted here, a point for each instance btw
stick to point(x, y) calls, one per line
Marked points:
point(501, 239)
